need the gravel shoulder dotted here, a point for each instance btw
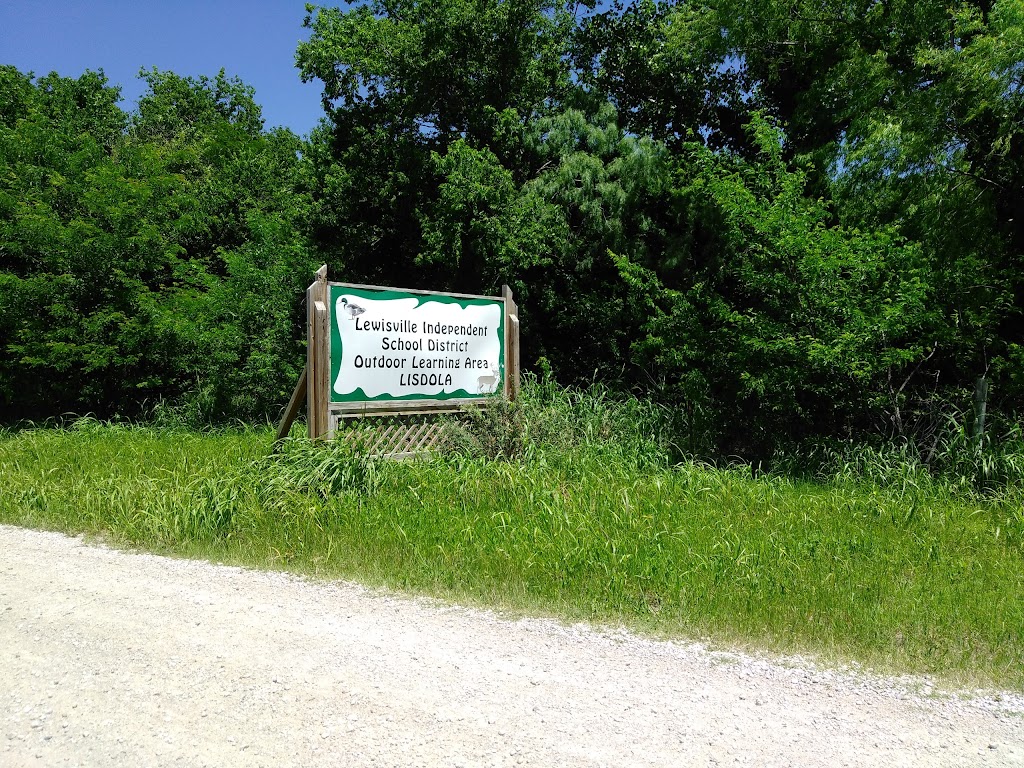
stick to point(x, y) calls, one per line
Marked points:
point(127, 659)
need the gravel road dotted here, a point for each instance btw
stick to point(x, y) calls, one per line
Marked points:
point(125, 659)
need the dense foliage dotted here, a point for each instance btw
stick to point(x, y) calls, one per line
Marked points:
point(146, 257)
point(786, 221)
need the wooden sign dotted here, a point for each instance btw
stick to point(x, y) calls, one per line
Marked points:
point(375, 350)
point(395, 347)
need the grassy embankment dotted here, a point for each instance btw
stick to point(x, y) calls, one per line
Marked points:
point(910, 572)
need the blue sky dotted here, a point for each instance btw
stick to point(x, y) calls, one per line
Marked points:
point(252, 40)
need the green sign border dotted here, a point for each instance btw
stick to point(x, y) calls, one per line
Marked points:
point(378, 294)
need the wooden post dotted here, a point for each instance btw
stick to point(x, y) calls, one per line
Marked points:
point(980, 403)
point(318, 358)
point(511, 344)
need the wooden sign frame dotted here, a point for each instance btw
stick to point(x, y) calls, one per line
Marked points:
point(323, 415)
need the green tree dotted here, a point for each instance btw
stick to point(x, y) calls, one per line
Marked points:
point(82, 237)
point(459, 153)
point(233, 311)
point(910, 114)
point(402, 83)
point(146, 257)
point(669, 70)
point(782, 326)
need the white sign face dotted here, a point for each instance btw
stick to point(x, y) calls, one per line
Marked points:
point(390, 345)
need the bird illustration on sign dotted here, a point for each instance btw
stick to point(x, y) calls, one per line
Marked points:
point(353, 310)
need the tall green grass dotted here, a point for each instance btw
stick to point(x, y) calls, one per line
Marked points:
point(951, 458)
point(567, 504)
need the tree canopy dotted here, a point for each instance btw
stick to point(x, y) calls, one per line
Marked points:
point(146, 257)
point(785, 220)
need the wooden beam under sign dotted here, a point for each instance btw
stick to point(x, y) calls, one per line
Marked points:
point(298, 395)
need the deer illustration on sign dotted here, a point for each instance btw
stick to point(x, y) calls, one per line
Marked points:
point(487, 384)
